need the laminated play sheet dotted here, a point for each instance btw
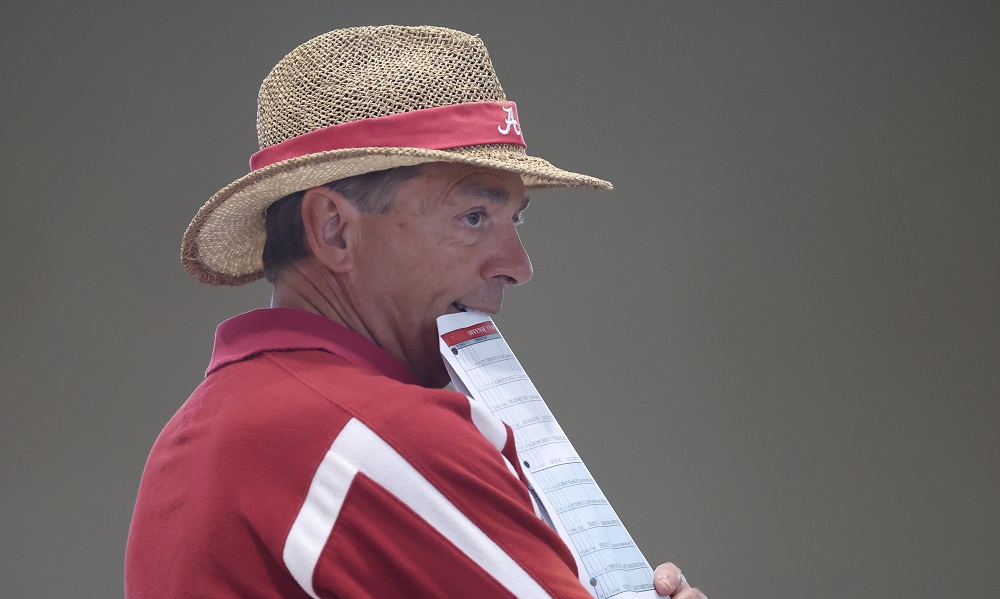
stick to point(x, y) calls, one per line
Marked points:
point(483, 367)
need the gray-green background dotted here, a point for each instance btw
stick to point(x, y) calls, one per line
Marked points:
point(776, 343)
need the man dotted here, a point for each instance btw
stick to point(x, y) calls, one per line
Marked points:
point(320, 457)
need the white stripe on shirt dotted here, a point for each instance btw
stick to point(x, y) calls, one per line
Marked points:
point(358, 448)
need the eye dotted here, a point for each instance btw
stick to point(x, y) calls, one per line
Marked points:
point(474, 219)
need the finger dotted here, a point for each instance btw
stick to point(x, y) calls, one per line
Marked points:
point(668, 579)
point(689, 593)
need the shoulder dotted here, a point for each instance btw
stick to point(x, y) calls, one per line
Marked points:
point(277, 416)
point(278, 397)
point(314, 380)
point(440, 433)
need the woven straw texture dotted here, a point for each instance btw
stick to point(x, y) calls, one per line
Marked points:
point(353, 74)
point(342, 76)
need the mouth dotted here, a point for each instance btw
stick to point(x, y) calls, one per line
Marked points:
point(460, 307)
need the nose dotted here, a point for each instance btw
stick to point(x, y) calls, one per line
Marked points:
point(510, 262)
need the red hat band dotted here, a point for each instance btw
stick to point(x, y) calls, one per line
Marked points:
point(438, 128)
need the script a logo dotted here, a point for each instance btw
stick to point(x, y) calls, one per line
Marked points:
point(511, 123)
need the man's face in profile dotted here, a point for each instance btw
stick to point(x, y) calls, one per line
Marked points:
point(448, 244)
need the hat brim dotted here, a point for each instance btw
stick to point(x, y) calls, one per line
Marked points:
point(224, 243)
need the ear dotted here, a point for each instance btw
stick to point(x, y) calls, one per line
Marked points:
point(329, 220)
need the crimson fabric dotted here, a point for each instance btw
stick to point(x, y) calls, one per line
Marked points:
point(230, 472)
point(437, 128)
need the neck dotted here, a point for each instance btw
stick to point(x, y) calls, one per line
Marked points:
point(308, 285)
point(303, 286)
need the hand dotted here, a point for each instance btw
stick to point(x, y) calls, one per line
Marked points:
point(669, 582)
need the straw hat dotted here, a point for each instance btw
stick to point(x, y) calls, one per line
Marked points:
point(354, 101)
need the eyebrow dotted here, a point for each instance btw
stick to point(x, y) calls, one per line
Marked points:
point(496, 195)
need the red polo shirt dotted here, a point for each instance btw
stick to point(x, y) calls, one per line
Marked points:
point(311, 463)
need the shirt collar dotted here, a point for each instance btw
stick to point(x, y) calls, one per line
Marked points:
point(284, 329)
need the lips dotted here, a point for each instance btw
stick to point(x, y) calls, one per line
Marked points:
point(460, 307)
